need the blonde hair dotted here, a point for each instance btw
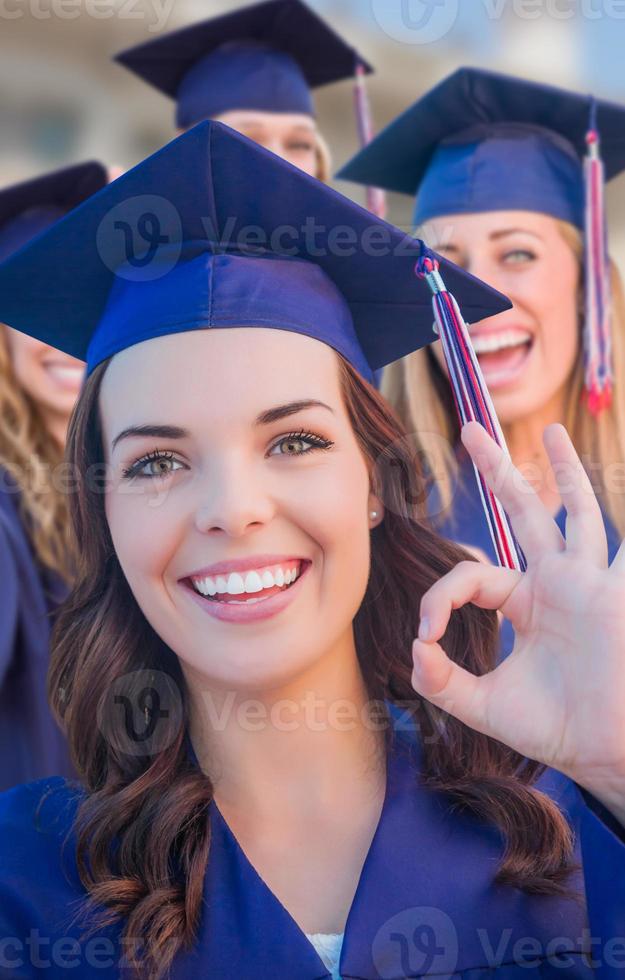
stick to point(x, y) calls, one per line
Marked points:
point(417, 388)
point(30, 456)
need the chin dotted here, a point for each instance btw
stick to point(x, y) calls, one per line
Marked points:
point(249, 673)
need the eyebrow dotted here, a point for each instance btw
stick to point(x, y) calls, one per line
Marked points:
point(290, 408)
point(512, 231)
point(176, 432)
point(446, 247)
point(154, 431)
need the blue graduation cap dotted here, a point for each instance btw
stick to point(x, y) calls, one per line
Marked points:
point(481, 141)
point(28, 208)
point(267, 56)
point(156, 253)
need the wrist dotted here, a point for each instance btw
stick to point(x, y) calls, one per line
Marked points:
point(608, 789)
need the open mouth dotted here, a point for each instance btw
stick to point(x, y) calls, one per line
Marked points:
point(502, 355)
point(249, 587)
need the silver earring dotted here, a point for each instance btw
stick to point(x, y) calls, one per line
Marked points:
point(373, 514)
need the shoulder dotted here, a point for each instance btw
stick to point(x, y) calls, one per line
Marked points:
point(12, 536)
point(9, 493)
point(36, 821)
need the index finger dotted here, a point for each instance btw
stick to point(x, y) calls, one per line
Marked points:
point(535, 529)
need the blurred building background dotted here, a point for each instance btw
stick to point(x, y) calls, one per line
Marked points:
point(63, 100)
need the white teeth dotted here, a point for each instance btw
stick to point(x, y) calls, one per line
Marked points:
point(206, 586)
point(236, 585)
point(253, 582)
point(490, 344)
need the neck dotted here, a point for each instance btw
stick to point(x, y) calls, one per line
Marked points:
point(524, 438)
point(295, 746)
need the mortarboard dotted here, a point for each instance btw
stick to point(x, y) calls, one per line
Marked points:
point(158, 253)
point(267, 56)
point(28, 208)
point(153, 253)
point(481, 141)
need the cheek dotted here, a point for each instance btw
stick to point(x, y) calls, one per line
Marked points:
point(146, 534)
point(24, 357)
point(554, 303)
point(304, 160)
point(334, 514)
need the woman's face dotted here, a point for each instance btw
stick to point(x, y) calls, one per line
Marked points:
point(50, 378)
point(527, 354)
point(239, 500)
point(289, 135)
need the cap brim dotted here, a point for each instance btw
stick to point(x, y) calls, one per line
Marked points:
point(56, 288)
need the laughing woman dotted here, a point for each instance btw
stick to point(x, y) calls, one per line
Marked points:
point(38, 390)
point(270, 786)
point(467, 149)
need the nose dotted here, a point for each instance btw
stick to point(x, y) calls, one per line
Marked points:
point(233, 502)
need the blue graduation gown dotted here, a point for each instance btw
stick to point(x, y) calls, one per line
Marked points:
point(426, 903)
point(31, 744)
point(466, 524)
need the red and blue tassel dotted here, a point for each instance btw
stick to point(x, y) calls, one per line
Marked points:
point(376, 198)
point(598, 375)
point(473, 401)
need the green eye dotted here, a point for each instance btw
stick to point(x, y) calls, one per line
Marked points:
point(154, 466)
point(298, 444)
point(519, 255)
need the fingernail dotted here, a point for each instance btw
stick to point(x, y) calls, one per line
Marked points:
point(424, 628)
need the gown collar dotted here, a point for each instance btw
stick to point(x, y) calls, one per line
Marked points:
point(425, 903)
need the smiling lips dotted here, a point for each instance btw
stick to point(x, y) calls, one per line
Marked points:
point(66, 375)
point(252, 586)
point(247, 591)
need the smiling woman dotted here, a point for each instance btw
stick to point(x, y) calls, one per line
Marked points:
point(558, 355)
point(38, 390)
point(249, 549)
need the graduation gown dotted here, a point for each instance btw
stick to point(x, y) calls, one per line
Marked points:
point(466, 524)
point(426, 904)
point(31, 744)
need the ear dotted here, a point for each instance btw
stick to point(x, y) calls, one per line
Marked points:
point(375, 510)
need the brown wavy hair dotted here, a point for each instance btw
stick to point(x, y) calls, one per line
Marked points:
point(31, 457)
point(142, 830)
